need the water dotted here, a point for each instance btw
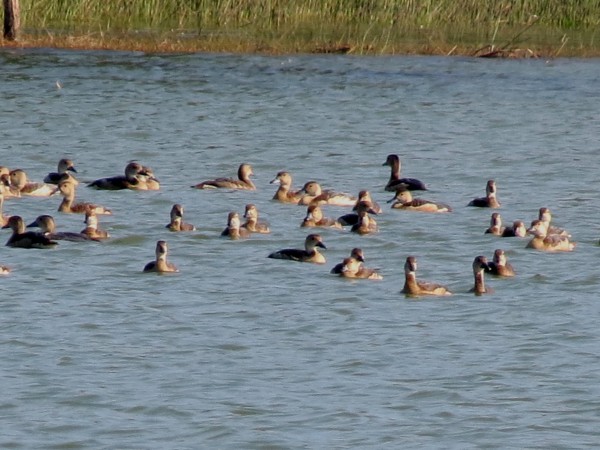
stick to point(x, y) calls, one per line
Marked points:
point(241, 351)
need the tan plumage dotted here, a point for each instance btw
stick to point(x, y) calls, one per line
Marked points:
point(177, 223)
point(313, 194)
point(68, 205)
point(92, 230)
point(284, 193)
point(351, 268)
point(414, 287)
point(548, 242)
point(243, 182)
point(500, 265)
point(160, 264)
point(480, 266)
point(234, 230)
point(404, 200)
point(315, 218)
point(252, 223)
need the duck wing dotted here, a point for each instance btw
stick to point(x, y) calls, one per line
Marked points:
point(410, 184)
point(293, 254)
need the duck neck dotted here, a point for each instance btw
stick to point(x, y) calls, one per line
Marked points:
point(311, 249)
point(234, 232)
point(66, 203)
point(282, 190)
point(395, 170)
point(410, 282)
point(243, 176)
point(91, 221)
point(161, 263)
point(479, 283)
point(492, 200)
point(175, 223)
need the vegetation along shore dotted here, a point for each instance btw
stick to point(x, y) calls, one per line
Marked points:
point(528, 28)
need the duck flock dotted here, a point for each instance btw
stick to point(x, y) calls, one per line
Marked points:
point(14, 184)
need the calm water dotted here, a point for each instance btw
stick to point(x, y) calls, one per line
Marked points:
point(241, 351)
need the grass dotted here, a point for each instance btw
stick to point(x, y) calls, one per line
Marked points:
point(550, 27)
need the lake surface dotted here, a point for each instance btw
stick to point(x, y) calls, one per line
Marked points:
point(241, 351)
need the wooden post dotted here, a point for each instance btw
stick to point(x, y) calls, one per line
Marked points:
point(11, 19)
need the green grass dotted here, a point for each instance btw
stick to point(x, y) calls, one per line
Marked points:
point(360, 26)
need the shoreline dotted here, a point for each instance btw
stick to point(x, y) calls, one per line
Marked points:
point(545, 46)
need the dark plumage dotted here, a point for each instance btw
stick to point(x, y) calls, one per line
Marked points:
point(395, 182)
point(64, 167)
point(133, 179)
point(309, 254)
point(490, 200)
point(48, 226)
point(26, 239)
point(356, 253)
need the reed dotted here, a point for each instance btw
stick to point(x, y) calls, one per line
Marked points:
point(361, 26)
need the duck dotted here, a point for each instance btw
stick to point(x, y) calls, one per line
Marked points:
point(315, 195)
point(177, 223)
point(310, 254)
point(133, 179)
point(352, 218)
point(356, 253)
point(490, 200)
point(234, 230)
point(26, 239)
point(284, 192)
point(414, 287)
point(404, 200)
point(160, 264)
point(365, 196)
point(517, 229)
point(20, 185)
point(548, 242)
point(3, 218)
point(243, 181)
point(5, 189)
point(68, 205)
point(147, 180)
point(365, 224)
point(91, 229)
point(65, 166)
point(545, 216)
point(252, 223)
point(351, 268)
point(395, 182)
point(500, 266)
point(48, 227)
point(315, 218)
point(480, 266)
point(496, 227)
